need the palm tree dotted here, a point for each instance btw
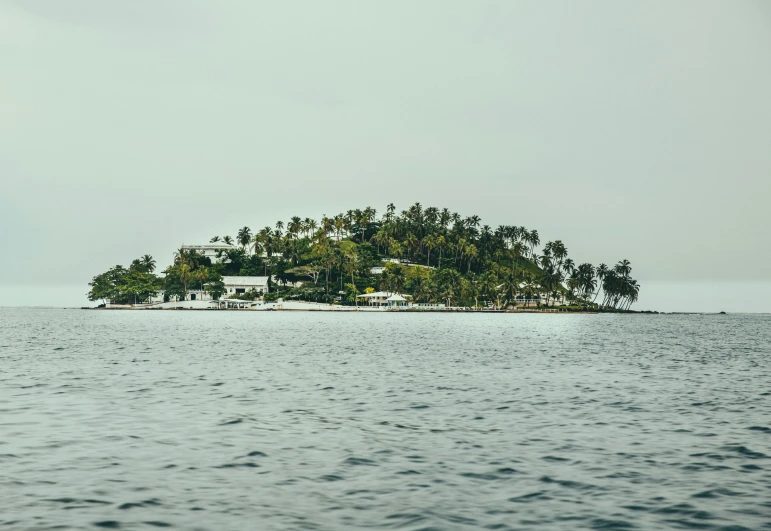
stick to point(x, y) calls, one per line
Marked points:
point(601, 271)
point(623, 268)
point(529, 289)
point(489, 286)
point(306, 226)
point(618, 289)
point(227, 240)
point(471, 252)
point(410, 241)
point(244, 237)
point(327, 225)
point(258, 243)
point(516, 253)
point(633, 291)
point(201, 275)
point(568, 266)
point(440, 243)
point(185, 256)
point(430, 242)
point(533, 240)
point(559, 252)
point(574, 287)
point(585, 275)
point(327, 258)
point(396, 249)
point(422, 289)
point(294, 226)
point(148, 262)
point(351, 255)
point(215, 239)
point(390, 209)
point(444, 218)
point(339, 224)
point(393, 279)
point(185, 275)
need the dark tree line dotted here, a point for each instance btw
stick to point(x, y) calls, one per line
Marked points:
point(432, 254)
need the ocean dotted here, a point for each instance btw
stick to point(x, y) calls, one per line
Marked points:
point(327, 421)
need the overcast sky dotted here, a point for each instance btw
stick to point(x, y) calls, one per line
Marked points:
point(637, 130)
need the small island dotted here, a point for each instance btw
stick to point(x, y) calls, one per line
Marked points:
point(422, 259)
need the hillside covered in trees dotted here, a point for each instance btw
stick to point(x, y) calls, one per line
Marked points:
point(431, 254)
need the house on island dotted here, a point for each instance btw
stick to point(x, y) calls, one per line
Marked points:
point(241, 285)
point(379, 270)
point(405, 262)
point(233, 286)
point(384, 299)
point(209, 250)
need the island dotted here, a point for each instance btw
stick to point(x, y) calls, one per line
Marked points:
point(422, 259)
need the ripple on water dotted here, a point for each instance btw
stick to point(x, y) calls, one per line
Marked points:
point(537, 496)
point(717, 493)
point(360, 461)
point(152, 502)
point(234, 420)
point(108, 524)
point(247, 464)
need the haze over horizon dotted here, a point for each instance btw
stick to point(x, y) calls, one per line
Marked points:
point(635, 130)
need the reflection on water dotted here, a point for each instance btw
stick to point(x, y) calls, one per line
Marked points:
point(227, 420)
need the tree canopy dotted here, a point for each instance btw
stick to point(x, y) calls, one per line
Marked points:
point(431, 254)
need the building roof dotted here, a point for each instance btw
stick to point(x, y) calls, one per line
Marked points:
point(215, 246)
point(387, 295)
point(245, 281)
point(376, 294)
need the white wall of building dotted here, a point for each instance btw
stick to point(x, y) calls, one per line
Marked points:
point(209, 250)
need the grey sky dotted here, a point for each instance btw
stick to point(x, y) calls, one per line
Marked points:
point(637, 130)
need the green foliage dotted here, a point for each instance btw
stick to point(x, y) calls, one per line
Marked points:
point(104, 286)
point(173, 285)
point(214, 285)
point(308, 292)
point(126, 286)
point(442, 258)
point(311, 271)
point(251, 295)
point(393, 279)
point(463, 261)
point(351, 291)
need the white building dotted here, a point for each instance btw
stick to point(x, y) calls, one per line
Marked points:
point(384, 298)
point(240, 285)
point(378, 270)
point(396, 301)
point(233, 286)
point(209, 250)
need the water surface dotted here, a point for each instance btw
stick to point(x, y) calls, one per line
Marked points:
point(247, 420)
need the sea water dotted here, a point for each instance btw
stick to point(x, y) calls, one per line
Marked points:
point(323, 421)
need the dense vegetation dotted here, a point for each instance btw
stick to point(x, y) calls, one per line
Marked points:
point(432, 254)
point(127, 285)
point(138, 283)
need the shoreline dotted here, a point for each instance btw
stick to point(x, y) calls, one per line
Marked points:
point(361, 310)
point(304, 306)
